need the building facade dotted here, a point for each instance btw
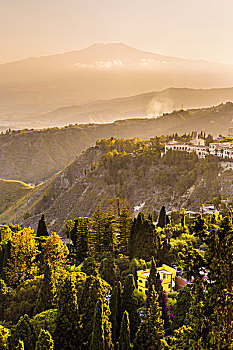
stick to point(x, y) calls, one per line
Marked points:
point(167, 276)
point(201, 151)
point(223, 149)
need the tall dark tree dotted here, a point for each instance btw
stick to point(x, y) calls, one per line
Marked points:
point(130, 304)
point(116, 312)
point(124, 338)
point(150, 332)
point(45, 299)
point(108, 270)
point(24, 331)
point(107, 240)
point(67, 335)
point(155, 282)
point(80, 237)
point(162, 217)
point(97, 338)
point(152, 281)
point(97, 230)
point(90, 267)
point(143, 239)
point(94, 288)
point(124, 227)
point(42, 229)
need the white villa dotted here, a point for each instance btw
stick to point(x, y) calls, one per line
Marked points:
point(224, 149)
point(196, 145)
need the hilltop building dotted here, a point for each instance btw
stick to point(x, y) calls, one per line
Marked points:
point(208, 209)
point(167, 276)
point(223, 150)
point(196, 145)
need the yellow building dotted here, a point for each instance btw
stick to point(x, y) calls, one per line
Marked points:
point(167, 276)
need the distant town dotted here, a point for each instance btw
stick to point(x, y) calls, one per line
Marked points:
point(221, 148)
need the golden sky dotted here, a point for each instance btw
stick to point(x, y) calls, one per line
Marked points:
point(196, 29)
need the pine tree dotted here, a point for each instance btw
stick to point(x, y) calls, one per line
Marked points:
point(130, 304)
point(45, 341)
point(46, 294)
point(97, 230)
point(107, 244)
point(24, 331)
point(116, 312)
point(162, 217)
point(124, 227)
point(97, 338)
point(42, 229)
point(150, 332)
point(124, 338)
point(67, 335)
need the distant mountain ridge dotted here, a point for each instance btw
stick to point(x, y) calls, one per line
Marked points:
point(151, 104)
point(34, 86)
point(34, 156)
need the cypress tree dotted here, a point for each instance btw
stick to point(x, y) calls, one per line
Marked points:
point(24, 331)
point(152, 280)
point(124, 338)
point(42, 229)
point(67, 334)
point(143, 240)
point(108, 270)
point(80, 238)
point(46, 294)
point(90, 267)
point(155, 282)
point(116, 312)
point(130, 304)
point(94, 288)
point(45, 341)
point(97, 338)
point(162, 217)
point(150, 332)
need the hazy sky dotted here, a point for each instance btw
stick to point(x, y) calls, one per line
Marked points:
point(198, 29)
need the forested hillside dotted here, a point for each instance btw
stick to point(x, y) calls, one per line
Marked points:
point(84, 295)
point(34, 156)
point(132, 170)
